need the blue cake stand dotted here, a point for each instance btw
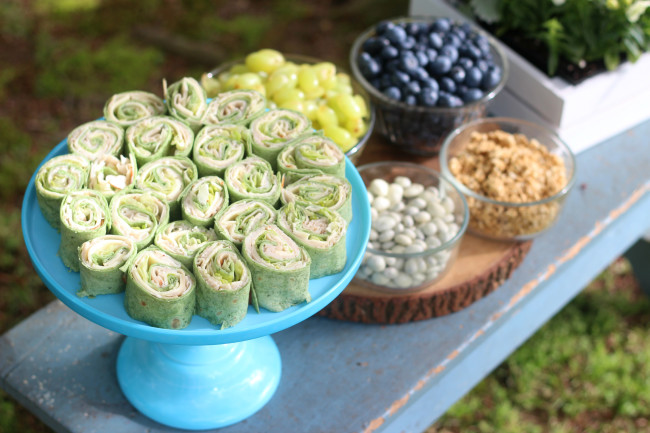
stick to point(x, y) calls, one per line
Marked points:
point(199, 377)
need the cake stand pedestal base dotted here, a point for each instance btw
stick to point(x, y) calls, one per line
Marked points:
point(199, 387)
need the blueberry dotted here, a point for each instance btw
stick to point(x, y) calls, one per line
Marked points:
point(422, 40)
point(422, 57)
point(473, 77)
point(399, 78)
point(472, 94)
point(393, 92)
point(435, 41)
point(430, 83)
point(383, 26)
point(413, 88)
point(491, 78)
point(376, 83)
point(465, 63)
point(413, 29)
point(396, 35)
point(411, 100)
point(431, 54)
point(447, 85)
point(428, 97)
point(440, 66)
point(408, 62)
point(441, 25)
point(385, 82)
point(470, 50)
point(408, 43)
point(457, 73)
point(374, 45)
point(459, 33)
point(483, 65)
point(466, 27)
point(391, 65)
point(451, 39)
point(389, 52)
point(420, 74)
point(368, 65)
point(451, 52)
point(449, 100)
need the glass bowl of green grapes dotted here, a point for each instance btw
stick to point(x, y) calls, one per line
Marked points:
point(333, 100)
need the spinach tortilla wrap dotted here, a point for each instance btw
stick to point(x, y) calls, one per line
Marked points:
point(159, 291)
point(223, 284)
point(137, 215)
point(182, 239)
point(57, 177)
point(241, 218)
point(84, 216)
point(321, 232)
point(273, 130)
point(104, 260)
point(279, 266)
point(154, 137)
point(237, 107)
point(127, 108)
point(322, 190)
point(186, 101)
point(253, 178)
point(216, 147)
point(111, 174)
point(312, 152)
point(168, 176)
point(96, 138)
point(203, 200)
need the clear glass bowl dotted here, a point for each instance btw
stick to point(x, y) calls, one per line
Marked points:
point(504, 220)
point(421, 130)
point(405, 272)
point(353, 153)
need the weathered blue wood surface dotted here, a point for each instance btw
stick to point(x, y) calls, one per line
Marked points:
point(349, 377)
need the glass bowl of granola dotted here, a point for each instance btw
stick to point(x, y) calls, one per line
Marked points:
point(514, 174)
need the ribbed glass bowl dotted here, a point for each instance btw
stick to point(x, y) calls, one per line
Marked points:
point(504, 220)
point(411, 272)
point(353, 153)
point(417, 129)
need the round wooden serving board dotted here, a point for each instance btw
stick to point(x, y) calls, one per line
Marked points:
point(481, 266)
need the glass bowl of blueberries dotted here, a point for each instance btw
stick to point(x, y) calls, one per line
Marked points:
point(427, 76)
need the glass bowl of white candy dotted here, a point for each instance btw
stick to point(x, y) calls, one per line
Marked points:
point(418, 221)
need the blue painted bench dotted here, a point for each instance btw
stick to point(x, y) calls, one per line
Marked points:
point(349, 377)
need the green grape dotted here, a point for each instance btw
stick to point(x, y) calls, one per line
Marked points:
point(211, 85)
point(325, 71)
point(342, 77)
point(362, 105)
point(293, 104)
point(310, 109)
point(277, 82)
point(243, 81)
point(346, 105)
point(340, 136)
point(288, 94)
point(356, 126)
point(307, 79)
point(265, 60)
point(239, 69)
point(326, 116)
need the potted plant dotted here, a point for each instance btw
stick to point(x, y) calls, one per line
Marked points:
point(578, 66)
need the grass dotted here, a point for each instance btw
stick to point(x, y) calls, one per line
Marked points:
point(586, 370)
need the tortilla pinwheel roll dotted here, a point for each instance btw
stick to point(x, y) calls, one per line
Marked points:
point(274, 129)
point(160, 291)
point(223, 284)
point(186, 101)
point(321, 232)
point(253, 178)
point(216, 147)
point(312, 152)
point(104, 260)
point(168, 176)
point(241, 218)
point(279, 266)
point(127, 108)
point(84, 216)
point(96, 138)
point(137, 215)
point(111, 174)
point(57, 177)
point(238, 107)
point(154, 137)
point(182, 239)
point(204, 199)
point(324, 190)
